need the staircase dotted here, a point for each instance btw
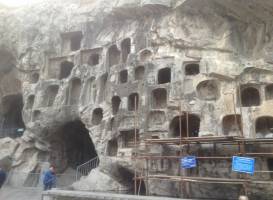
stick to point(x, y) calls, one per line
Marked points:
point(85, 168)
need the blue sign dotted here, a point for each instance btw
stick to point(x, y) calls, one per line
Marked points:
point(188, 162)
point(243, 164)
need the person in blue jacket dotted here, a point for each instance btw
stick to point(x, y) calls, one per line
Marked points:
point(3, 176)
point(49, 180)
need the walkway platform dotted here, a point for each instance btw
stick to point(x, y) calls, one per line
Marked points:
point(65, 194)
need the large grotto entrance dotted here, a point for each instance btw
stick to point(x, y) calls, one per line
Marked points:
point(12, 124)
point(71, 146)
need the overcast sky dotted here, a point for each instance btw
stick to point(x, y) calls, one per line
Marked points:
point(16, 2)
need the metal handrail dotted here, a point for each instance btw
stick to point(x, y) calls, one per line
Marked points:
point(85, 168)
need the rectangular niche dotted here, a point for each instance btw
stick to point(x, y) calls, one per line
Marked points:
point(128, 138)
point(164, 75)
point(159, 98)
point(71, 41)
point(50, 95)
point(232, 125)
point(55, 65)
point(192, 69)
point(123, 76)
point(156, 120)
point(92, 57)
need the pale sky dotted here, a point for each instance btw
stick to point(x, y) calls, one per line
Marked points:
point(16, 2)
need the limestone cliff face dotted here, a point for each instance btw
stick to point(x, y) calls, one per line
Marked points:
point(79, 69)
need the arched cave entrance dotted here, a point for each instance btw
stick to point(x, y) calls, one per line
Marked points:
point(71, 146)
point(139, 73)
point(12, 122)
point(264, 127)
point(127, 178)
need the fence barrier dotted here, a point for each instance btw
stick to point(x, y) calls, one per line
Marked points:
point(85, 168)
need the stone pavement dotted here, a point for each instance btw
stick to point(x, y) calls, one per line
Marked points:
point(65, 194)
point(11, 193)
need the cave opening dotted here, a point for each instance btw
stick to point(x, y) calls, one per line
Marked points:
point(71, 146)
point(269, 92)
point(97, 116)
point(103, 87)
point(123, 76)
point(90, 91)
point(208, 90)
point(35, 78)
point(66, 68)
point(7, 61)
point(125, 49)
point(51, 93)
point(113, 55)
point(128, 138)
point(115, 104)
point(270, 165)
point(164, 75)
point(232, 125)
point(112, 147)
point(159, 98)
point(250, 96)
point(139, 73)
point(75, 41)
point(94, 59)
point(36, 115)
point(12, 122)
point(30, 102)
point(264, 127)
point(127, 178)
point(192, 69)
point(133, 102)
point(74, 91)
point(181, 122)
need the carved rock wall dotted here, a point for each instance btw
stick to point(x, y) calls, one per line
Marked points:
point(87, 66)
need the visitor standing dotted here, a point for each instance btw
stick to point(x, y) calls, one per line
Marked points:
point(49, 180)
point(3, 176)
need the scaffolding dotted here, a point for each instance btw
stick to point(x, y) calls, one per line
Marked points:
point(185, 144)
point(243, 179)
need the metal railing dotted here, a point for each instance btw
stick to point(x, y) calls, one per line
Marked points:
point(85, 168)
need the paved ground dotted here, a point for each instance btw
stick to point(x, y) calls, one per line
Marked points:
point(7, 193)
point(75, 195)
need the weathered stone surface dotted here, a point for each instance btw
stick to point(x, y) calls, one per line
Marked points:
point(76, 70)
point(98, 181)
